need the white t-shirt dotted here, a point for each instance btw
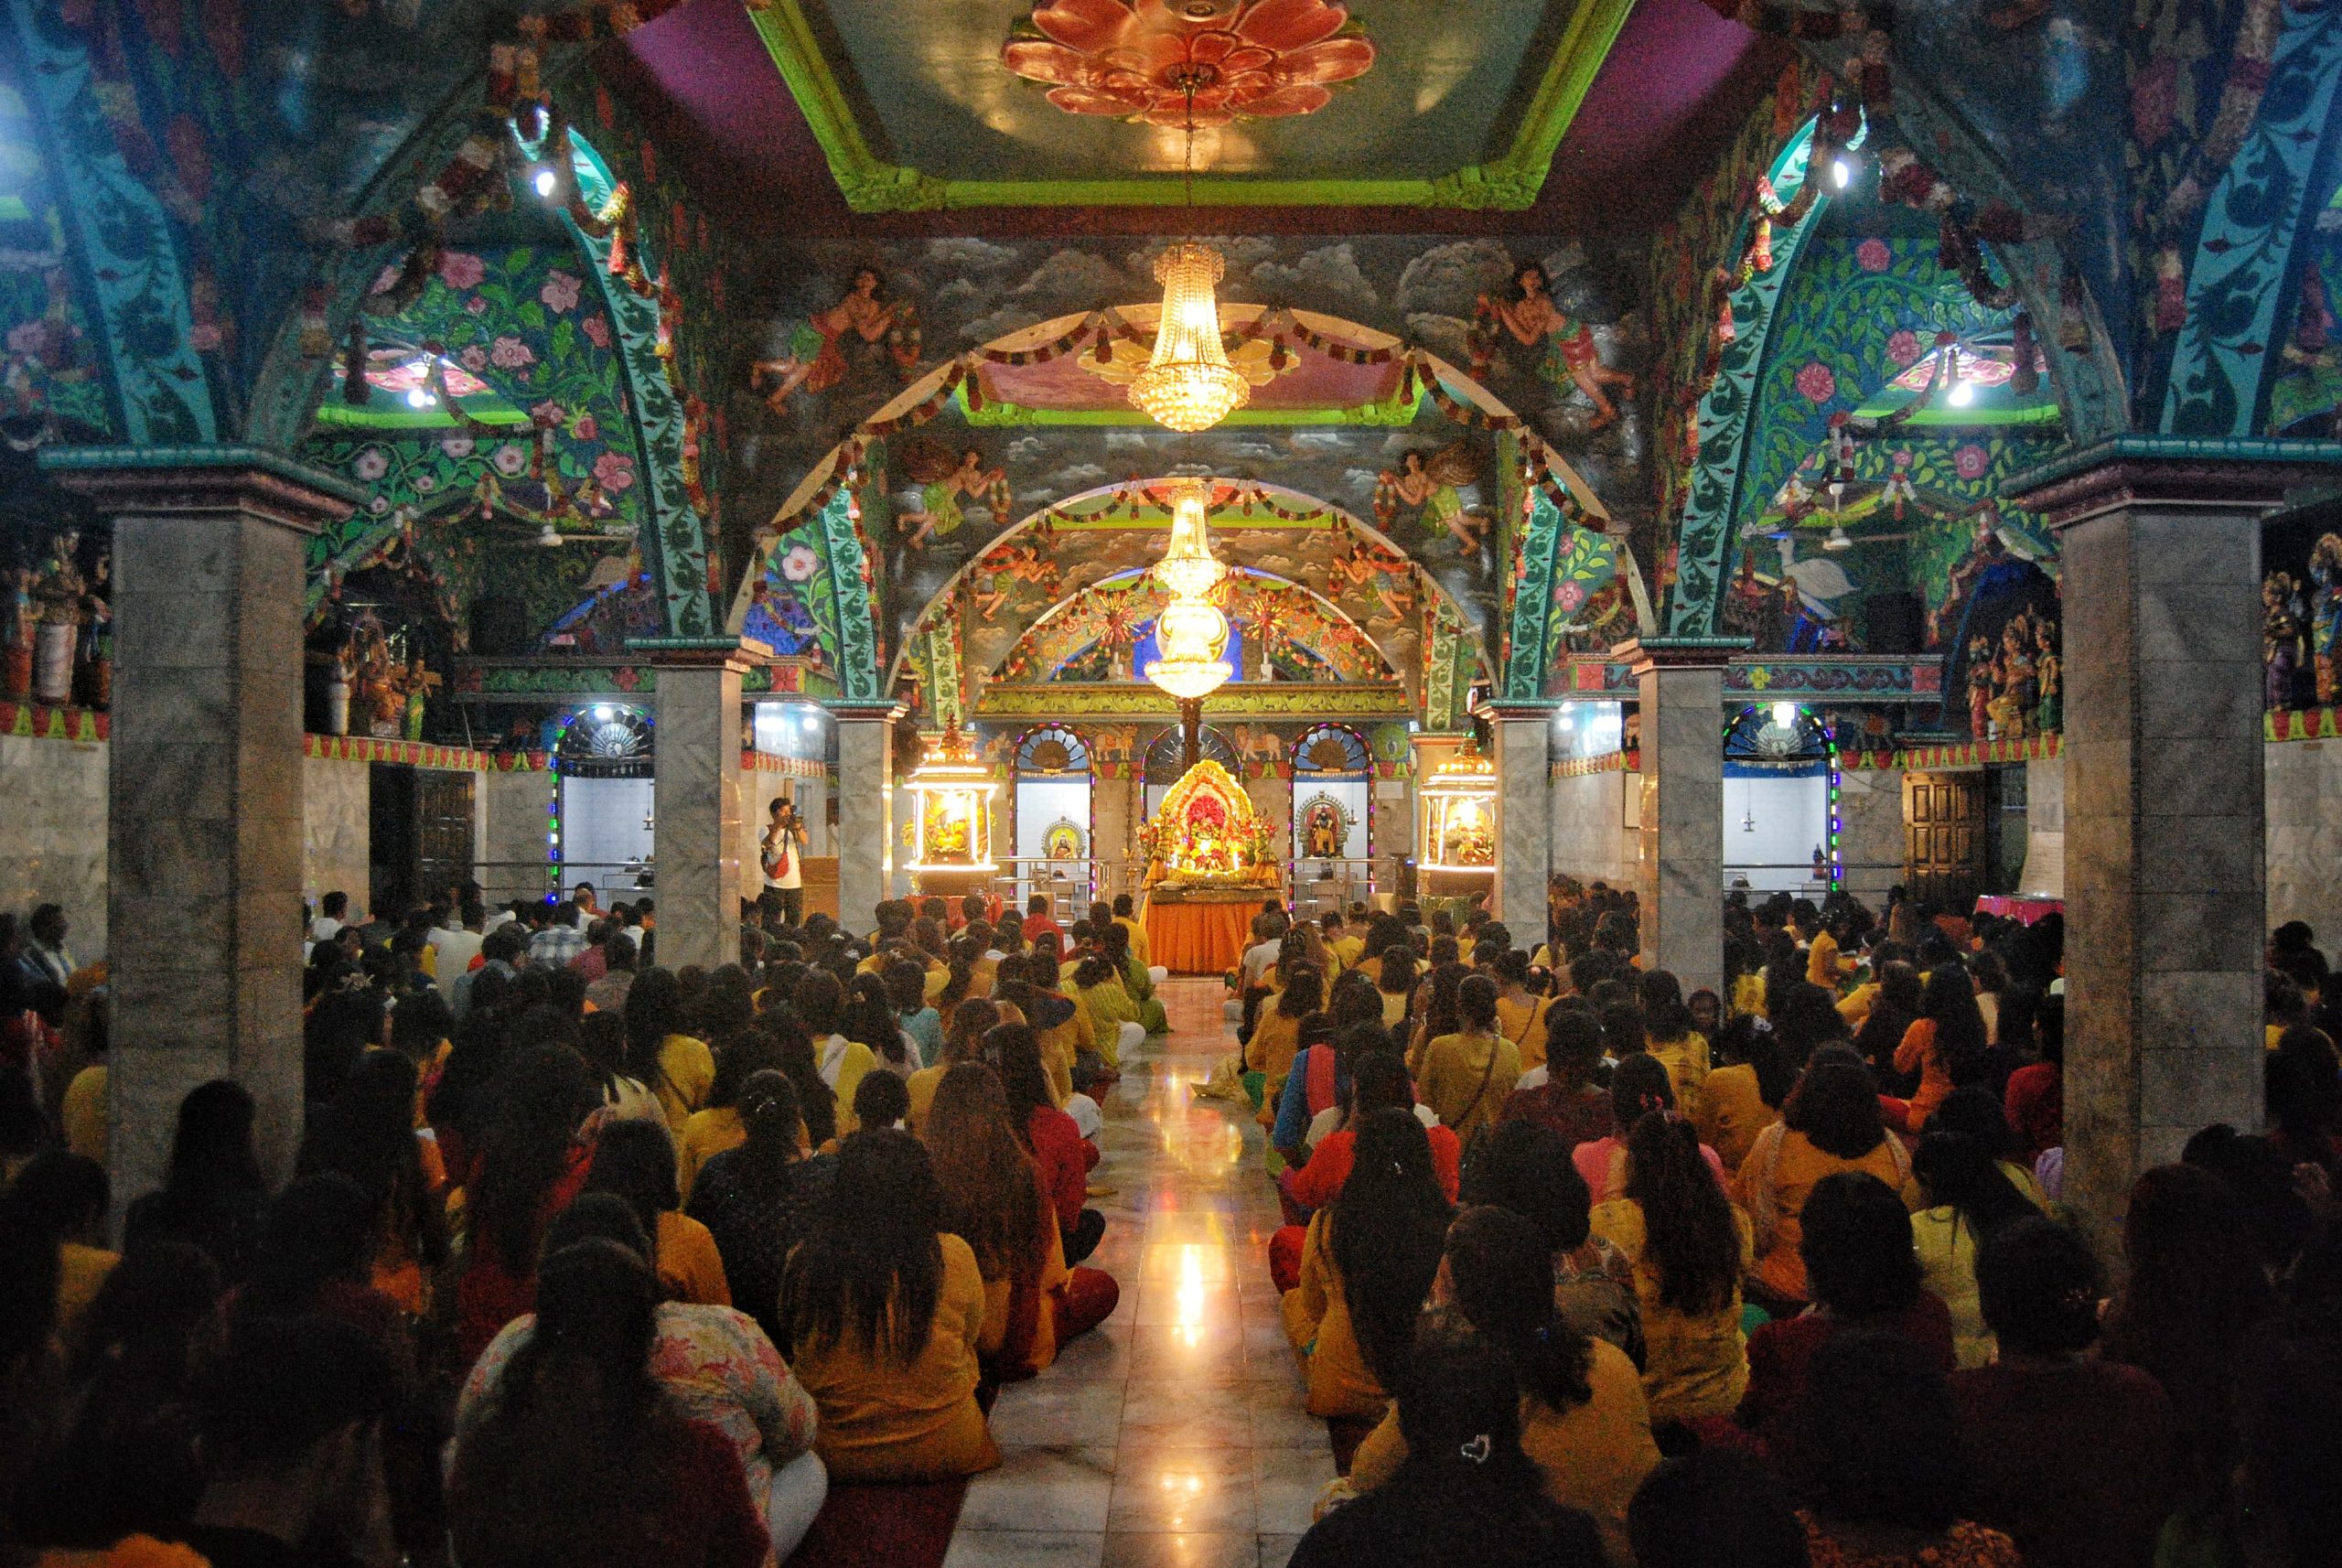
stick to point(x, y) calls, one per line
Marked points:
point(793, 875)
point(454, 950)
point(1259, 959)
point(324, 929)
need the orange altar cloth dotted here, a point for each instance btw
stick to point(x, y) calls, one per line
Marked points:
point(1199, 937)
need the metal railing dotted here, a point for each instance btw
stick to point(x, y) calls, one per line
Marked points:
point(502, 880)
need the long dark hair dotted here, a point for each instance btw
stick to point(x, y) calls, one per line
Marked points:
point(992, 1194)
point(1961, 1039)
point(1688, 1227)
point(368, 1134)
point(1876, 1439)
point(1015, 1049)
point(1856, 1245)
point(212, 1146)
point(1459, 1411)
point(1836, 1107)
point(871, 1269)
point(1741, 1041)
point(654, 1010)
point(1503, 1275)
point(1957, 1170)
point(816, 1101)
point(1892, 1013)
point(871, 1018)
point(1385, 1232)
point(1305, 991)
point(540, 1096)
point(635, 1160)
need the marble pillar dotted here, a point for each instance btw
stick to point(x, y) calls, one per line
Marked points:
point(204, 819)
point(2163, 805)
point(865, 811)
point(1679, 686)
point(1523, 736)
point(695, 801)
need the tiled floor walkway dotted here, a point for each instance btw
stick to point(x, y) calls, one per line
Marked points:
point(1174, 1434)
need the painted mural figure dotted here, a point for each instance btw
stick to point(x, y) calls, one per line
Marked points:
point(2284, 637)
point(1570, 357)
point(1326, 832)
point(815, 363)
point(1358, 565)
point(2326, 615)
point(1434, 487)
point(2050, 670)
point(943, 485)
point(2017, 696)
point(1980, 675)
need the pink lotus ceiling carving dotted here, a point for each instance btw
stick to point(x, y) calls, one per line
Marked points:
point(1138, 60)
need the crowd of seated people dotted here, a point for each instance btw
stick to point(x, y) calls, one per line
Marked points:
point(1579, 1268)
point(564, 1272)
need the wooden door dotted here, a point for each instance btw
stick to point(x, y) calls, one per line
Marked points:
point(1943, 837)
point(444, 824)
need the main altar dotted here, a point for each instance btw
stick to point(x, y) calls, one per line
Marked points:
point(1210, 861)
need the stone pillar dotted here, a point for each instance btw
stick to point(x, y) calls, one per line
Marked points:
point(2164, 808)
point(866, 810)
point(1523, 733)
point(1679, 683)
point(204, 837)
point(695, 798)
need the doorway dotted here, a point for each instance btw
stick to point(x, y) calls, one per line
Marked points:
point(1944, 837)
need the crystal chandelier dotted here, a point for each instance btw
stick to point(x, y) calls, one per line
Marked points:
point(1189, 384)
point(1188, 568)
point(1191, 644)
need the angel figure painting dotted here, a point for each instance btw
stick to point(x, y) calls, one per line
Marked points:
point(1001, 569)
point(1359, 563)
point(1435, 486)
point(945, 482)
point(1567, 353)
point(815, 361)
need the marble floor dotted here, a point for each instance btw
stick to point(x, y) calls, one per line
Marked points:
point(1174, 1434)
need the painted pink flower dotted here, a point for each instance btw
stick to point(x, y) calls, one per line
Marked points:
point(614, 471)
point(799, 565)
point(426, 484)
point(1872, 257)
point(1971, 461)
point(458, 447)
point(1136, 59)
point(1568, 595)
point(546, 412)
point(1815, 383)
point(1903, 346)
point(586, 429)
point(2154, 99)
point(475, 305)
point(509, 353)
point(370, 464)
point(461, 269)
point(597, 329)
point(512, 459)
point(474, 358)
point(561, 291)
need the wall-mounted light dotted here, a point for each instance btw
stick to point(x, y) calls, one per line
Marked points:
point(547, 182)
point(1784, 715)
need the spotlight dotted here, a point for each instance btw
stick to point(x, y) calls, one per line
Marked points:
point(1963, 392)
point(547, 180)
point(1842, 173)
point(1784, 714)
point(419, 397)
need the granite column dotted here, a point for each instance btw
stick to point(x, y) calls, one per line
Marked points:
point(204, 832)
point(2164, 817)
point(866, 810)
point(1523, 733)
point(1680, 684)
point(696, 798)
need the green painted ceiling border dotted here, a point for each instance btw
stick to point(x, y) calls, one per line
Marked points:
point(1393, 412)
point(1509, 182)
point(334, 413)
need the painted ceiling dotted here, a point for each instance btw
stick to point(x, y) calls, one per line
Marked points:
point(1496, 106)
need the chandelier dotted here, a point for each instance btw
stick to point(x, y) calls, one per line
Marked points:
point(1189, 384)
point(1192, 646)
point(1188, 568)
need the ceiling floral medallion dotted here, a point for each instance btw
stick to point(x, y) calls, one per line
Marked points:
point(1141, 60)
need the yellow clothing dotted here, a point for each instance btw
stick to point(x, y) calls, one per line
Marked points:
point(705, 1134)
point(884, 1421)
point(687, 1072)
point(1686, 1061)
point(853, 1061)
point(1731, 1112)
point(1318, 1324)
point(1524, 1023)
point(998, 1292)
point(1695, 1365)
point(690, 1268)
point(1777, 1178)
point(2269, 1035)
point(1822, 965)
point(1947, 1247)
point(1346, 951)
point(1465, 1079)
point(1749, 994)
point(921, 1086)
point(80, 1272)
point(1855, 1005)
point(84, 1113)
point(1110, 1007)
point(1590, 1457)
point(1062, 1045)
point(980, 974)
point(1394, 1008)
point(1140, 948)
point(1276, 1040)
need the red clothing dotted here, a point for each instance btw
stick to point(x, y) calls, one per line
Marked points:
point(1320, 1182)
point(1064, 1159)
point(1039, 925)
point(1779, 1352)
point(2036, 1107)
point(696, 1514)
point(1580, 1115)
point(490, 1294)
point(2078, 1462)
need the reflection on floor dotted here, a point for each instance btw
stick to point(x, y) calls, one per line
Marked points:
point(1173, 1435)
